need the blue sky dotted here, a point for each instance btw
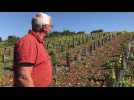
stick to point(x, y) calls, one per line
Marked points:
point(18, 23)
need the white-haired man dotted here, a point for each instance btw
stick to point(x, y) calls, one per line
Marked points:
point(32, 64)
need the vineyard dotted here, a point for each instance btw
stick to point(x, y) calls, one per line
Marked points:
point(103, 59)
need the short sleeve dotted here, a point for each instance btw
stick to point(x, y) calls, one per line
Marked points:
point(25, 51)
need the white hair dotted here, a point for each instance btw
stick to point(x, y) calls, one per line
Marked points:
point(40, 19)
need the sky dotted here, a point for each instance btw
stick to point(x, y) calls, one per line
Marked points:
point(18, 23)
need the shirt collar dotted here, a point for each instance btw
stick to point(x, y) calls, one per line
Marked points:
point(36, 36)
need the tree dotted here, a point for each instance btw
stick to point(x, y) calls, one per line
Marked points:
point(66, 32)
point(81, 32)
point(55, 33)
point(12, 40)
point(97, 31)
point(0, 39)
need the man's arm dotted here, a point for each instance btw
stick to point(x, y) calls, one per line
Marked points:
point(24, 75)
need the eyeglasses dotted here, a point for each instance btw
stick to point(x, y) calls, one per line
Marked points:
point(48, 25)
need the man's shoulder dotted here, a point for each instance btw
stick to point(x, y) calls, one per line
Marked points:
point(28, 38)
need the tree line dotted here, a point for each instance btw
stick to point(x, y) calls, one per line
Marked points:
point(11, 40)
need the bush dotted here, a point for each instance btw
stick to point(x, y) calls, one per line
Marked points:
point(52, 53)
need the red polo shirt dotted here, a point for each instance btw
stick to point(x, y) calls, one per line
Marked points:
point(30, 49)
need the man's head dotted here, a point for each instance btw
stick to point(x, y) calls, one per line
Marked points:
point(41, 22)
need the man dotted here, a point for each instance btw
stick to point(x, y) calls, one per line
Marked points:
point(32, 64)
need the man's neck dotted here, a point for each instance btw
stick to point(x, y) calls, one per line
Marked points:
point(41, 35)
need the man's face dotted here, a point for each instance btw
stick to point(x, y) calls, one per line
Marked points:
point(46, 29)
